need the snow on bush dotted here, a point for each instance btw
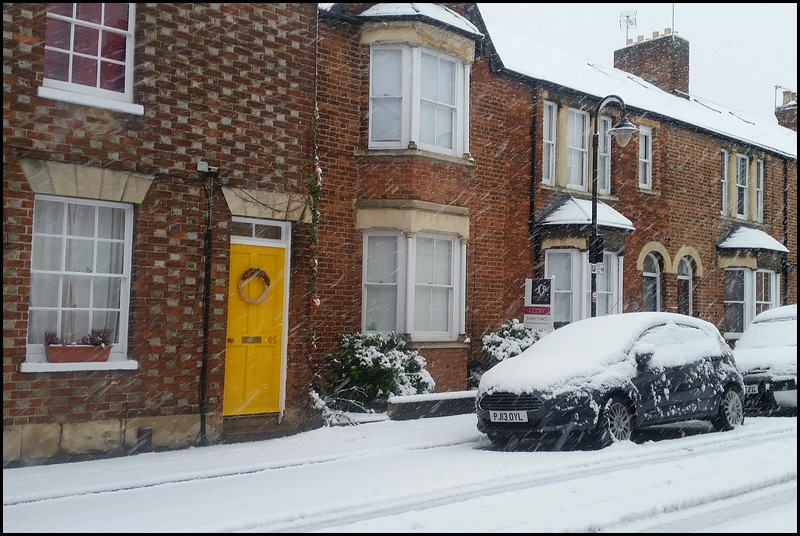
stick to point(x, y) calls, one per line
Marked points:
point(510, 340)
point(367, 369)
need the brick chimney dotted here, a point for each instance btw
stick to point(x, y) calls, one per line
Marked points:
point(663, 61)
point(787, 112)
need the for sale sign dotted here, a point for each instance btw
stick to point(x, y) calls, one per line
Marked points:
point(538, 304)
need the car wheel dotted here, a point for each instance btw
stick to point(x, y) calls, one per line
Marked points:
point(615, 423)
point(731, 411)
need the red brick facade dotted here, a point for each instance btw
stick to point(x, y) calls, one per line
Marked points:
point(236, 85)
point(228, 84)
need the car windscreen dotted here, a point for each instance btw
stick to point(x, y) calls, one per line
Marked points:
point(769, 334)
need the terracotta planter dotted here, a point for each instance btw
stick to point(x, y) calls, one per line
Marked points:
point(76, 353)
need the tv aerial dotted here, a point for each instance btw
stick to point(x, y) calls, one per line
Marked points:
point(627, 20)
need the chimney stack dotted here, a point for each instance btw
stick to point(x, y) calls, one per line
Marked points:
point(787, 112)
point(663, 61)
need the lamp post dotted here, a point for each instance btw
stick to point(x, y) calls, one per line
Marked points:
point(622, 131)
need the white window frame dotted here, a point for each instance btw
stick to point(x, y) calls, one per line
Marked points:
point(396, 279)
point(564, 295)
point(723, 181)
point(577, 149)
point(607, 286)
point(653, 279)
point(35, 355)
point(645, 158)
point(760, 291)
point(408, 287)
point(549, 133)
point(94, 96)
point(604, 156)
point(742, 185)
point(572, 284)
point(760, 190)
point(764, 291)
point(412, 100)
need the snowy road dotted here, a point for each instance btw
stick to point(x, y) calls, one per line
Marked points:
point(429, 475)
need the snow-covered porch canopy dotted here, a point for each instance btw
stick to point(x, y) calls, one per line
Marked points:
point(568, 210)
point(745, 246)
point(567, 221)
point(739, 236)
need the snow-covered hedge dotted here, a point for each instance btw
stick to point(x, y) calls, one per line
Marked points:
point(510, 340)
point(367, 369)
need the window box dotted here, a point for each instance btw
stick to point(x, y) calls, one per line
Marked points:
point(76, 353)
point(94, 347)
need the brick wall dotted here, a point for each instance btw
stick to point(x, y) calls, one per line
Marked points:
point(227, 84)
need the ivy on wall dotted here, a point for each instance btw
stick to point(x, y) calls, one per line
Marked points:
point(313, 180)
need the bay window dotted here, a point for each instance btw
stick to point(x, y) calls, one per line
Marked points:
point(418, 99)
point(412, 284)
point(747, 293)
point(570, 271)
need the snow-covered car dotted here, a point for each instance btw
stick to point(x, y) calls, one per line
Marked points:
point(596, 380)
point(766, 355)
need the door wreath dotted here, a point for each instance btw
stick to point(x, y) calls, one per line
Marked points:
point(249, 275)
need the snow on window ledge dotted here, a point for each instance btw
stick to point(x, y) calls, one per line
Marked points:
point(126, 364)
point(90, 100)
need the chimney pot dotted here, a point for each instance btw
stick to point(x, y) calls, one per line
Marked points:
point(640, 39)
point(789, 96)
point(629, 41)
point(655, 34)
point(667, 31)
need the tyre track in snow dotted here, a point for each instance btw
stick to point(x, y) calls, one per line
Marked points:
point(332, 518)
point(711, 441)
point(703, 515)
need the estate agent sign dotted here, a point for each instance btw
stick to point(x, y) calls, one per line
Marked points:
point(538, 304)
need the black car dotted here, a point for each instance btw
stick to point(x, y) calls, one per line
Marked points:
point(598, 379)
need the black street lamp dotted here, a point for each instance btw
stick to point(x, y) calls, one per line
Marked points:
point(622, 131)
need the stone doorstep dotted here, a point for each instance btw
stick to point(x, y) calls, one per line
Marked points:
point(401, 408)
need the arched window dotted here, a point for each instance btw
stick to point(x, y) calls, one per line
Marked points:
point(685, 286)
point(651, 283)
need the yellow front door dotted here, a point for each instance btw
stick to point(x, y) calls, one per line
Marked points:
point(253, 362)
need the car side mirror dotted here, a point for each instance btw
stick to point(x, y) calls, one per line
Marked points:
point(642, 358)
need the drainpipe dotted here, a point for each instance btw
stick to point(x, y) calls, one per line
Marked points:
point(535, 240)
point(208, 184)
point(785, 265)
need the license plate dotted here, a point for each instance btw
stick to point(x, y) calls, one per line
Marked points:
point(751, 389)
point(508, 416)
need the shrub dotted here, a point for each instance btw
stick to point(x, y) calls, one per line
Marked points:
point(510, 340)
point(367, 369)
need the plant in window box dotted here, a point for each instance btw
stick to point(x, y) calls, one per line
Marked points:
point(93, 347)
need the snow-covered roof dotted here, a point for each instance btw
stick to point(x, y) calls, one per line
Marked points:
point(434, 12)
point(739, 236)
point(568, 210)
point(519, 53)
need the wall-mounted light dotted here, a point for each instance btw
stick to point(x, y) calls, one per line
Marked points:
point(203, 167)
